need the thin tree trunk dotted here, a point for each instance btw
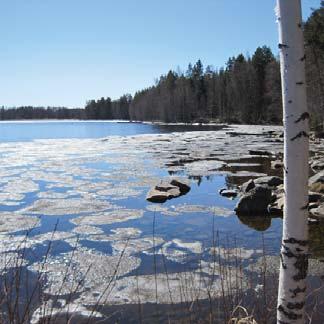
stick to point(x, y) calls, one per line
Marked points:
point(294, 249)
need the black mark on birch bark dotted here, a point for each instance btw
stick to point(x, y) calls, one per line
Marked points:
point(289, 314)
point(303, 58)
point(292, 240)
point(296, 305)
point(297, 291)
point(301, 266)
point(299, 135)
point(303, 116)
point(282, 46)
point(288, 252)
point(289, 101)
point(282, 262)
point(300, 83)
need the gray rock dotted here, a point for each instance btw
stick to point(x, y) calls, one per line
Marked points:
point(316, 178)
point(259, 152)
point(167, 190)
point(318, 212)
point(247, 186)
point(271, 181)
point(228, 193)
point(275, 211)
point(312, 221)
point(277, 164)
point(182, 185)
point(158, 196)
point(254, 202)
point(165, 187)
point(314, 197)
point(312, 205)
point(316, 182)
point(317, 165)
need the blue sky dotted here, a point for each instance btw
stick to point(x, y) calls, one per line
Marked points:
point(64, 52)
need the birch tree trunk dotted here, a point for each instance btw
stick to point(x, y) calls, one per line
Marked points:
point(294, 248)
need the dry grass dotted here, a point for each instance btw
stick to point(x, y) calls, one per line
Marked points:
point(243, 297)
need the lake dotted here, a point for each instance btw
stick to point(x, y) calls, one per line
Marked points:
point(82, 186)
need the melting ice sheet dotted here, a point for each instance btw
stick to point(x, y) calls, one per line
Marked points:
point(87, 197)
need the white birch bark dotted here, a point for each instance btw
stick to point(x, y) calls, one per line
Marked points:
point(294, 249)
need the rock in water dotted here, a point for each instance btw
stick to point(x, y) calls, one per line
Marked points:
point(259, 152)
point(167, 190)
point(161, 196)
point(317, 165)
point(165, 187)
point(318, 212)
point(277, 164)
point(228, 193)
point(316, 182)
point(247, 186)
point(270, 181)
point(255, 202)
point(318, 177)
point(183, 186)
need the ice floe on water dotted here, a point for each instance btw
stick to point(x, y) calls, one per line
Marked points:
point(109, 217)
point(118, 234)
point(11, 260)
point(163, 210)
point(213, 210)
point(22, 186)
point(119, 192)
point(51, 236)
point(178, 251)
point(176, 210)
point(67, 206)
point(83, 179)
point(134, 246)
point(82, 269)
point(235, 253)
point(58, 307)
point(11, 243)
point(87, 230)
point(161, 288)
point(13, 222)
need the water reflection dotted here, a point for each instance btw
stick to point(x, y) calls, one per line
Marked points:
point(258, 223)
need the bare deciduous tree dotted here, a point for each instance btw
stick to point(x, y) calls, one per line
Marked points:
point(294, 250)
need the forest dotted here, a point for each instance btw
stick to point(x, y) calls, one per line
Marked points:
point(246, 90)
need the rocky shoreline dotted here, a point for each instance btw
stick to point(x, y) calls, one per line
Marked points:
point(260, 193)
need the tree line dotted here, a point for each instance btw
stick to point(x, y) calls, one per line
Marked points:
point(246, 90)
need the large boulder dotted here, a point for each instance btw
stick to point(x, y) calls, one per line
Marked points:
point(255, 201)
point(277, 164)
point(271, 181)
point(318, 212)
point(181, 184)
point(247, 186)
point(160, 196)
point(277, 206)
point(316, 182)
point(167, 190)
point(318, 177)
point(317, 165)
